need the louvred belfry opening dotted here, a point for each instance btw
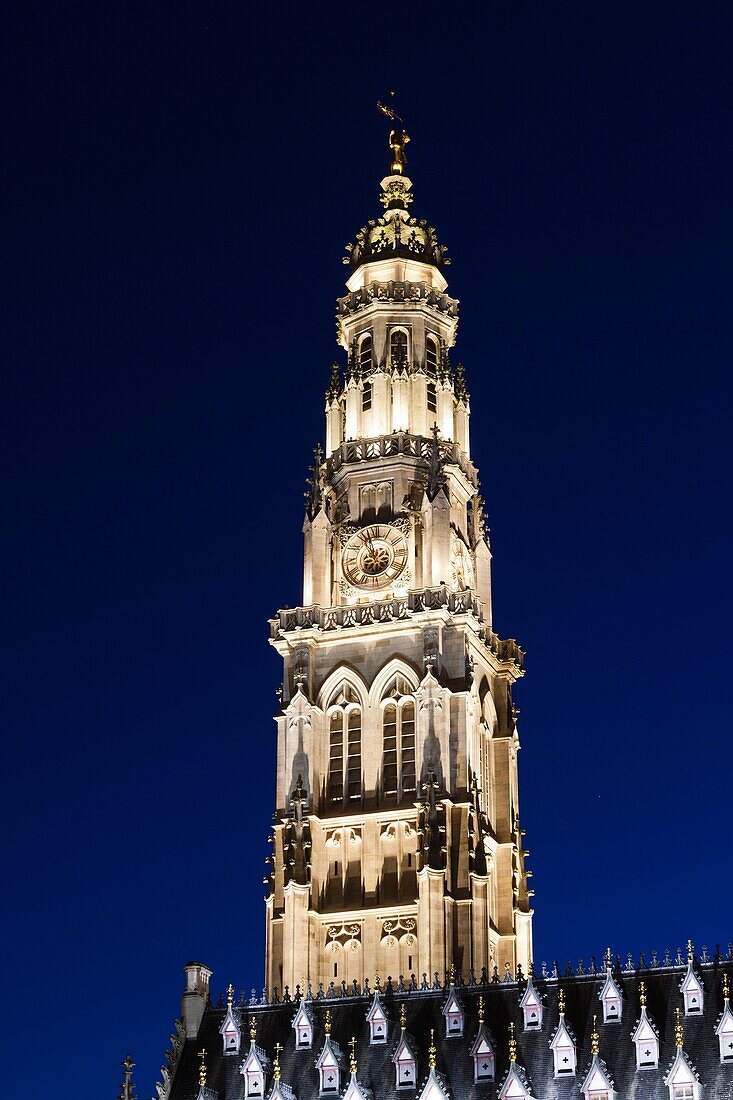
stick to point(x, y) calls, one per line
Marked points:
point(396, 841)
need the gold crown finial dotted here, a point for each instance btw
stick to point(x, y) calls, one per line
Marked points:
point(512, 1043)
point(642, 994)
point(679, 1031)
point(202, 1068)
point(431, 1049)
point(726, 988)
point(594, 1047)
point(327, 1022)
point(403, 1016)
point(253, 1028)
point(561, 1002)
point(230, 995)
point(690, 951)
point(452, 973)
point(480, 1010)
point(276, 1063)
point(608, 958)
point(352, 1059)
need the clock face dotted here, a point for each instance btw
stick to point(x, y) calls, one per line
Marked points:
point(374, 557)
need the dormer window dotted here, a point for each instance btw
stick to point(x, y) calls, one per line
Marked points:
point(692, 992)
point(610, 997)
point(645, 1040)
point(563, 1053)
point(303, 1028)
point(531, 1006)
point(432, 398)
point(366, 397)
point(682, 1092)
point(377, 1020)
point(365, 355)
point(484, 1062)
point(231, 1030)
point(453, 1013)
point(724, 1027)
point(253, 1072)
point(405, 1066)
point(328, 1068)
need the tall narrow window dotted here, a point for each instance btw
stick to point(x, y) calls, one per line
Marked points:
point(336, 762)
point(389, 757)
point(431, 356)
point(353, 764)
point(398, 349)
point(407, 748)
point(398, 743)
point(365, 355)
point(366, 397)
point(432, 398)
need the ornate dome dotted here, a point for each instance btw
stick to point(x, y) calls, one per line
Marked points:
point(396, 233)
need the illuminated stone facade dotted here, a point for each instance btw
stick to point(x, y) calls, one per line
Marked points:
point(397, 847)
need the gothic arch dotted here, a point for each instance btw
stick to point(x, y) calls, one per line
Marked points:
point(394, 666)
point(343, 674)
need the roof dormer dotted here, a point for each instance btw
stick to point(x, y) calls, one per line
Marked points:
point(377, 1020)
point(645, 1036)
point(303, 1026)
point(255, 1065)
point(434, 1087)
point(724, 1026)
point(681, 1078)
point(597, 1083)
point(691, 987)
point(453, 1012)
point(515, 1085)
point(562, 1044)
point(610, 995)
point(531, 1006)
point(482, 1050)
point(404, 1058)
point(328, 1063)
point(231, 1027)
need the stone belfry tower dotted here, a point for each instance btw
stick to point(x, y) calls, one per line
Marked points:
point(397, 848)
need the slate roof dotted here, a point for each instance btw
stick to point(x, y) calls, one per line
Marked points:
point(454, 1063)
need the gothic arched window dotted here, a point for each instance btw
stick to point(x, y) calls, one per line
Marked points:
point(365, 354)
point(344, 762)
point(431, 355)
point(398, 742)
point(398, 348)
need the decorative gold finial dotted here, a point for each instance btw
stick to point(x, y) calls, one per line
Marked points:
point(327, 1022)
point(530, 969)
point(642, 994)
point(403, 1016)
point(452, 973)
point(377, 984)
point(230, 995)
point(512, 1043)
point(253, 1028)
point(608, 958)
point(276, 1063)
point(202, 1068)
point(352, 1059)
point(690, 951)
point(679, 1031)
point(726, 989)
point(431, 1049)
point(480, 1010)
point(561, 1002)
point(398, 139)
point(594, 1047)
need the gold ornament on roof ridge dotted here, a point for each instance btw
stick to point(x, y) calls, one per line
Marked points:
point(480, 1010)
point(512, 1043)
point(608, 958)
point(642, 994)
point(202, 1068)
point(327, 1022)
point(230, 995)
point(726, 989)
point(594, 1047)
point(253, 1028)
point(679, 1031)
point(352, 1059)
point(431, 1049)
point(561, 1002)
point(276, 1062)
point(690, 951)
point(403, 1016)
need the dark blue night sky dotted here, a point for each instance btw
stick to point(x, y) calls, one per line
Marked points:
point(179, 183)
